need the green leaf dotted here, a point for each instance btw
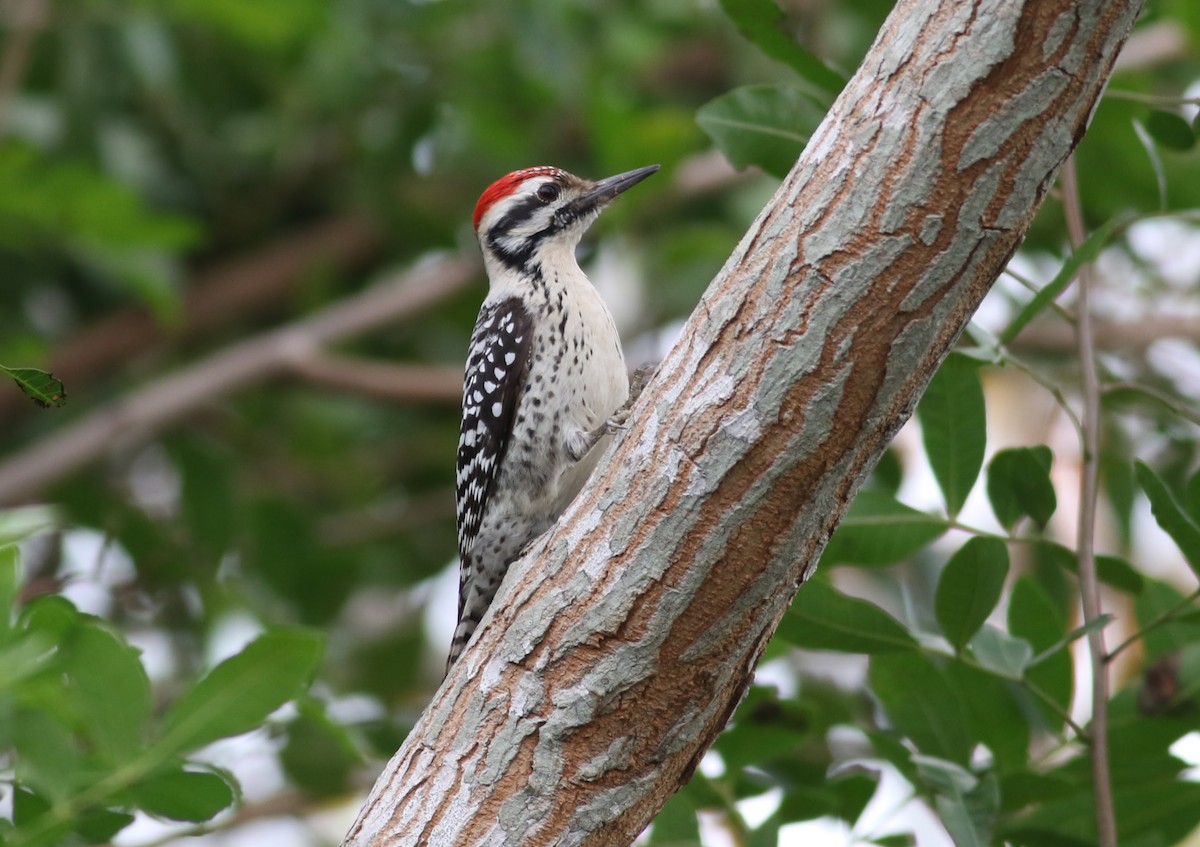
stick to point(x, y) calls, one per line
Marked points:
point(207, 497)
point(98, 826)
point(892, 750)
point(10, 581)
point(1157, 811)
point(879, 530)
point(1192, 497)
point(970, 587)
point(1171, 131)
point(765, 728)
point(1112, 570)
point(676, 825)
point(1154, 156)
point(22, 659)
point(1026, 788)
point(1018, 484)
point(238, 694)
point(765, 834)
point(764, 125)
point(761, 22)
point(966, 805)
point(1161, 810)
point(48, 760)
point(1171, 515)
point(1176, 623)
point(181, 795)
point(29, 812)
point(936, 720)
point(98, 220)
point(1115, 571)
point(319, 755)
point(52, 617)
point(994, 716)
point(1001, 653)
point(261, 25)
point(822, 618)
point(1078, 632)
point(40, 387)
point(1118, 486)
point(1082, 255)
point(110, 689)
point(954, 428)
point(1032, 616)
point(19, 524)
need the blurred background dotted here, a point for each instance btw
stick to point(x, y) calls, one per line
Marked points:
point(240, 233)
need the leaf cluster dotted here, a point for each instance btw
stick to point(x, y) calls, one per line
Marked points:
point(88, 750)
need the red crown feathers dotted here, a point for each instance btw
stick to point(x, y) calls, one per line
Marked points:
point(506, 185)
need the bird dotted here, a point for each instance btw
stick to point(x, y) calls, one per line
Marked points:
point(545, 383)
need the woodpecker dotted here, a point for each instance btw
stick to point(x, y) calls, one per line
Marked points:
point(545, 376)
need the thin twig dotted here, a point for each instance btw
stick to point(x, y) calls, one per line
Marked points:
point(1106, 826)
point(1029, 685)
point(1164, 618)
point(1186, 412)
point(1027, 283)
point(1054, 390)
point(1152, 99)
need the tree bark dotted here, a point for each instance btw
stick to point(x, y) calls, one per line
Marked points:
point(620, 645)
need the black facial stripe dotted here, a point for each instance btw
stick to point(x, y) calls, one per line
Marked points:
point(519, 257)
point(518, 214)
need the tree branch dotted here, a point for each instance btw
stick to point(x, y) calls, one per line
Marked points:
point(167, 400)
point(1056, 337)
point(216, 296)
point(1085, 542)
point(620, 645)
point(383, 380)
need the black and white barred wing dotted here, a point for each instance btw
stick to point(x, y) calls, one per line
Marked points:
point(496, 365)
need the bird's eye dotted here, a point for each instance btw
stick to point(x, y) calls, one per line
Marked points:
point(548, 193)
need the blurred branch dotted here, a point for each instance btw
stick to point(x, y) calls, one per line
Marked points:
point(707, 172)
point(382, 380)
point(1153, 44)
point(24, 19)
point(242, 286)
point(1168, 401)
point(166, 401)
point(258, 281)
point(1045, 336)
point(1160, 100)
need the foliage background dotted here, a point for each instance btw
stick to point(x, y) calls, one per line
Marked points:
point(180, 175)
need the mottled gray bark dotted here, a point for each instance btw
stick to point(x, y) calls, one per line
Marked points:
point(620, 645)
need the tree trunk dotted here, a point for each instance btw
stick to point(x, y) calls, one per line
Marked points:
point(620, 645)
